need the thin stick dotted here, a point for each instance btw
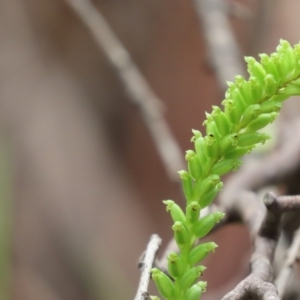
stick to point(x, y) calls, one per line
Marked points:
point(286, 271)
point(146, 266)
point(135, 84)
point(223, 47)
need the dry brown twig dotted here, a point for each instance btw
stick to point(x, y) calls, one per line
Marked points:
point(136, 86)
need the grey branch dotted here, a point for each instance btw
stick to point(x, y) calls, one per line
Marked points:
point(135, 85)
point(145, 266)
point(223, 48)
point(287, 268)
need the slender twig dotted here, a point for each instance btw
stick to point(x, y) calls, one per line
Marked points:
point(258, 285)
point(136, 86)
point(287, 268)
point(145, 266)
point(223, 47)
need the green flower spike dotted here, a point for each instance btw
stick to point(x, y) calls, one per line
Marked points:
point(231, 133)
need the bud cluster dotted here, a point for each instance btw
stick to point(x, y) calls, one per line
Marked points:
point(249, 106)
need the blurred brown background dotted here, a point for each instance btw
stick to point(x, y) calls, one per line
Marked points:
point(81, 180)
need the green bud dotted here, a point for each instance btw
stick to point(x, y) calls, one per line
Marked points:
point(154, 298)
point(269, 66)
point(208, 184)
point(270, 106)
point(238, 152)
point(239, 80)
point(288, 58)
point(256, 89)
point(163, 283)
point(246, 92)
point(175, 265)
point(250, 114)
point(176, 212)
point(206, 224)
point(198, 253)
point(291, 89)
point(270, 85)
point(181, 233)
point(232, 112)
point(277, 60)
point(221, 121)
point(260, 122)
point(297, 58)
point(207, 199)
point(190, 277)
point(194, 164)
point(196, 135)
point(193, 212)
point(226, 165)
point(252, 138)
point(255, 69)
point(229, 141)
point(200, 149)
point(187, 184)
point(211, 128)
point(238, 99)
point(279, 97)
point(195, 292)
point(211, 146)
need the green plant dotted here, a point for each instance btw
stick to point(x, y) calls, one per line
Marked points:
point(231, 133)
